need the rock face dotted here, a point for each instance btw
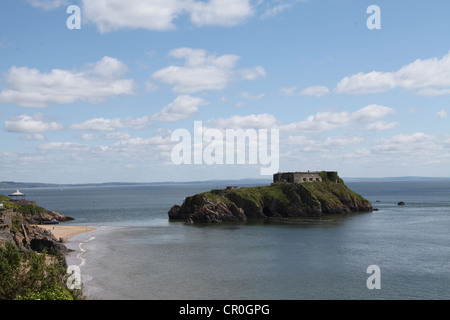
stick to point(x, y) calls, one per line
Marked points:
point(46, 217)
point(17, 224)
point(279, 199)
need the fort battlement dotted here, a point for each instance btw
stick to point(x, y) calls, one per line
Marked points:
point(301, 177)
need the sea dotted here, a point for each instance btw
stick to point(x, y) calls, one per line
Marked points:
point(136, 253)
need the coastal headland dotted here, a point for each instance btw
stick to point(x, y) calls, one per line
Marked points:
point(32, 251)
point(30, 226)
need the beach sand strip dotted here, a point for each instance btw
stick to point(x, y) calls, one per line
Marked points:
point(66, 232)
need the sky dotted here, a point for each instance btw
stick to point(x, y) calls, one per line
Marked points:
point(111, 91)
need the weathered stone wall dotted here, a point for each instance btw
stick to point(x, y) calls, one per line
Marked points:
point(297, 177)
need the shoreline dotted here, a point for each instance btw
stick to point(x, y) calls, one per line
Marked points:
point(66, 232)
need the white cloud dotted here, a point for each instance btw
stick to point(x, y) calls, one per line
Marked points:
point(151, 86)
point(271, 12)
point(109, 136)
point(161, 15)
point(31, 124)
point(102, 124)
point(288, 91)
point(47, 4)
point(64, 146)
point(416, 144)
point(442, 114)
point(33, 137)
point(35, 89)
point(326, 121)
point(433, 92)
point(182, 107)
point(328, 144)
point(430, 77)
point(315, 91)
point(249, 96)
point(111, 15)
point(203, 71)
point(219, 12)
point(140, 142)
point(253, 121)
point(382, 125)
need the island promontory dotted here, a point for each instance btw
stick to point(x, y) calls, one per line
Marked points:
point(292, 194)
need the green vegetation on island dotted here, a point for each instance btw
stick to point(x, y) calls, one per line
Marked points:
point(330, 195)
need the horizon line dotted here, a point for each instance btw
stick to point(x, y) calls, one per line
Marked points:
point(50, 184)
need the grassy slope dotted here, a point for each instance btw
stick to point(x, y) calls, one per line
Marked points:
point(332, 191)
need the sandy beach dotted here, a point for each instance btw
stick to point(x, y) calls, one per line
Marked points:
point(66, 232)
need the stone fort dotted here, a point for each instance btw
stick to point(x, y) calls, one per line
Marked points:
point(300, 177)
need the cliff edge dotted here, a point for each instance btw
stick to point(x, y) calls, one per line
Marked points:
point(280, 199)
point(19, 222)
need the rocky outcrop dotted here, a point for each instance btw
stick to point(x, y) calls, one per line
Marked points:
point(47, 217)
point(279, 199)
point(39, 239)
point(18, 225)
point(28, 237)
point(206, 210)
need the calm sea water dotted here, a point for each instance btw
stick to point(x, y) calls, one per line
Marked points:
point(136, 253)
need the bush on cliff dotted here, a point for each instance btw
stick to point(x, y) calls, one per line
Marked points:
point(28, 275)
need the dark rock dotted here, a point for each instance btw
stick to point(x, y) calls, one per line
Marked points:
point(19, 229)
point(47, 217)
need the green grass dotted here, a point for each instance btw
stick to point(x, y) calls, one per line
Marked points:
point(25, 209)
point(215, 197)
point(285, 197)
point(333, 193)
point(260, 195)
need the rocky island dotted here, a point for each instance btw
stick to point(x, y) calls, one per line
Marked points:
point(292, 194)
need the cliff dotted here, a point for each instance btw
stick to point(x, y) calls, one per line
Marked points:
point(18, 221)
point(280, 199)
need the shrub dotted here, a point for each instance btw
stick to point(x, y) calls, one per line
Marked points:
point(30, 275)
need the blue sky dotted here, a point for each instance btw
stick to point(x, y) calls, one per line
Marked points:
point(100, 103)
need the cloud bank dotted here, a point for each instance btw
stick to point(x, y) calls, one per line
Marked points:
point(31, 88)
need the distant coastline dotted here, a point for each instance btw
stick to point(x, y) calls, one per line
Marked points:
point(19, 185)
